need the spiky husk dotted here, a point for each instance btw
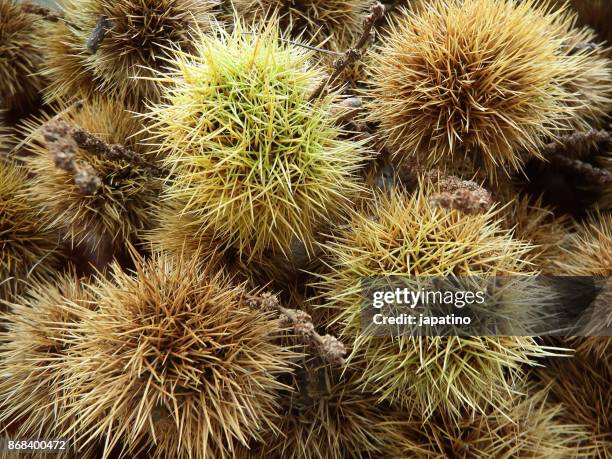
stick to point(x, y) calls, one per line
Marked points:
point(276, 270)
point(179, 235)
point(330, 417)
point(64, 67)
point(588, 250)
point(35, 341)
point(582, 384)
point(174, 362)
point(535, 427)
point(140, 36)
point(536, 223)
point(22, 38)
point(333, 24)
point(403, 235)
point(480, 83)
point(28, 246)
point(259, 166)
point(598, 346)
point(591, 79)
point(122, 207)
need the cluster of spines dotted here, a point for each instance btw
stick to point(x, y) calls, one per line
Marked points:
point(28, 244)
point(117, 212)
point(474, 81)
point(536, 223)
point(402, 235)
point(333, 24)
point(587, 251)
point(22, 37)
point(36, 339)
point(328, 415)
point(535, 426)
point(253, 161)
point(581, 385)
point(107, 64)
point(114, 48)
point(172, 359)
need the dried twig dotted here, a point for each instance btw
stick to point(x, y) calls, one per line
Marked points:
point(331, 349)
point(595, 174)
point(66, 138)
point(42, 11)
point(313, 48)
point(96, 146)
point(63, 148)
point(575, 140)
point(48, 14)
point(351, 55)
point(561, 152)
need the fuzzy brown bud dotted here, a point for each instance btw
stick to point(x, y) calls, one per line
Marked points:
point(464, 195)
point(86, 180)
point(332, 350)
point(302, 322)
point(465, 200)
point(269, 302)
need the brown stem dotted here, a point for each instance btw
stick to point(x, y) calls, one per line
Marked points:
point(596, 174)
point(574, 140)
point(63, 148)
point(331, 349)
point(96, 146)
point(561, 152)
point(351, 55)
point(42, 11)
point(47, 14)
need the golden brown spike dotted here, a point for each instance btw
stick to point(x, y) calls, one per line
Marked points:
point(36, 338)
point(582, 384)
point(137, 38)
point(398, 234)
point(536, 223)
point(330, 417)
point(22, 39)
point(174, 363)
point(535, 427)
point(121, 206)
point(5, 137)
point(481, 84)
point(588, 250)
point(28, 246)
point(335, 23)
